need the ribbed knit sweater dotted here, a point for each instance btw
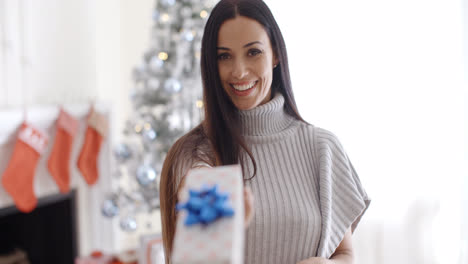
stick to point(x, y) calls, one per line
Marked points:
point(306, 192)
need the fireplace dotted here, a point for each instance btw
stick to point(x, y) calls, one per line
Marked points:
point(47, 234)
point(82, 213)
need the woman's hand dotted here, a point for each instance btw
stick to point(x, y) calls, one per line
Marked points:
point(248, 205)
point(343, 254)
point(316, 260)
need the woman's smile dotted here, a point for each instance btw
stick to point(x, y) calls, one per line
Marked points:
point(244, 88)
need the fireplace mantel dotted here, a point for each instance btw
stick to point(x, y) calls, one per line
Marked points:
point(94, 231)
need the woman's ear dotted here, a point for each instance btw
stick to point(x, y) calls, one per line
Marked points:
point(275, 60)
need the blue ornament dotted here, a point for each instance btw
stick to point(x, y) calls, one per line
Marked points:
point(128, 224)
point(146, 175)
point(206, 206)
point(168, 3)
point(110, 208)
point(156, 64)
point(149, 135)
point(188, 35)
point(172, 85)
point(122, 152)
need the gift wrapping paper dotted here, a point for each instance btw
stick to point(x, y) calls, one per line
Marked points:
point(151, 249)
point(221, 241)
point(105, 259)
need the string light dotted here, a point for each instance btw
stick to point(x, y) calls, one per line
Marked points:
point(203, 14)
point(199, 103)
point(163, 56)
point(138, 128)
point(165, 17)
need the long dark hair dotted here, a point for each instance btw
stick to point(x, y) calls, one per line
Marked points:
point(221, 116)
point(221, 126)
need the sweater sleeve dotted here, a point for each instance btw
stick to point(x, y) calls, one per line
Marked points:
point(343, 199)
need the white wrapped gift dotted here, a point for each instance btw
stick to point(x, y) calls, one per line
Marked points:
point(221, 241)
point(151, 249)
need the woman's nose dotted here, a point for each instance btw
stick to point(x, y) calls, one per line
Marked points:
point(239, 70)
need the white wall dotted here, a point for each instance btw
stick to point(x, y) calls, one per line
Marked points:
point(387, 78)
point(465, 185)
point(75, 52)
point(55, 40)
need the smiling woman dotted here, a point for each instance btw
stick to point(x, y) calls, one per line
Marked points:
point(307, 197)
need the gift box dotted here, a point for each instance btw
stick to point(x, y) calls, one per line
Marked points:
point(151, 249)
point(126, 257)
point(206, 236)
point(96, 257)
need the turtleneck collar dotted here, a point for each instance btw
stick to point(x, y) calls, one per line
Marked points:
point(266, 119)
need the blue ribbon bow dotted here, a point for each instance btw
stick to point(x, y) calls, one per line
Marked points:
point(206, 206)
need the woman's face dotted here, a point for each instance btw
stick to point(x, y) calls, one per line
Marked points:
point(245, 62)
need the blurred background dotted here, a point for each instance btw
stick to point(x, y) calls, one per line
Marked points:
point(389, 78)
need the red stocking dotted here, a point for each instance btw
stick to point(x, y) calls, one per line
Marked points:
point(59, 161)
point(95, 132)
point(18, 178)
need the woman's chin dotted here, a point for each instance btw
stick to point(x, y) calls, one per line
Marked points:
point(244, 105)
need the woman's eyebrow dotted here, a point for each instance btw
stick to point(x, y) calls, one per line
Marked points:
point(245, 46)
point(251, 43)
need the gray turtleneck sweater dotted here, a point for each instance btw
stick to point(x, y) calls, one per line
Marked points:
point(307, 194)
point(306, 191)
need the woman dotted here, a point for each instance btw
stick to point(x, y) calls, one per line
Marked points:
point(308, 198)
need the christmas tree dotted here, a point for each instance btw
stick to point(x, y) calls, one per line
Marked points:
point(167, 102)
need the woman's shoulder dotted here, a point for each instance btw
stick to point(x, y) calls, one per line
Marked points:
point(320, 136)
point(315, 130)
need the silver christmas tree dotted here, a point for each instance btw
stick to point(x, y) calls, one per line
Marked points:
point(166, 103)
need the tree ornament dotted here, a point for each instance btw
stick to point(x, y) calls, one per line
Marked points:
point(122, 152)
point(172, 85)
point(149, 135)
point(128, 223)
point(110, 207)
point(188, 35)
point(156, 64)
point(167, 3)
point(146, 175)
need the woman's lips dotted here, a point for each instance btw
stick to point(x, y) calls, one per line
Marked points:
point(245, 92)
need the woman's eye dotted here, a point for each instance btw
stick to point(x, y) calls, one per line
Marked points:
point(254, 52)
point(223, 56)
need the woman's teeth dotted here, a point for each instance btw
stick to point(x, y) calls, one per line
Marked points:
point(244, 86)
